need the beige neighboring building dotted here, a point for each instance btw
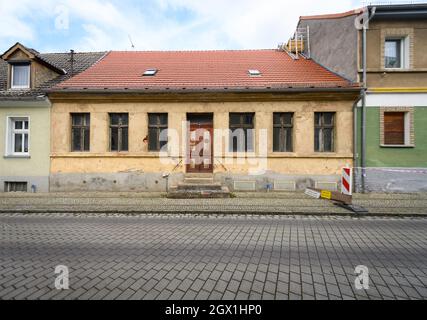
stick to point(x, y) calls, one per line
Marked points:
point(250, 120)
point(25, 113)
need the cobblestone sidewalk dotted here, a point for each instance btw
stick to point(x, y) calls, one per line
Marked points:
point(264, 203)
point(189, 257)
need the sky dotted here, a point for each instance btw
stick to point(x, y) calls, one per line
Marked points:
point(98, 25)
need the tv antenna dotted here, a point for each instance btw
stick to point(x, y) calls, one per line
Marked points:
point(131, 43)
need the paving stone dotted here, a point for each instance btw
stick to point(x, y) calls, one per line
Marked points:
point(218, 257)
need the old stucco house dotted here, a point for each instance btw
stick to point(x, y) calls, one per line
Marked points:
point(248, 120)
point(25, 74)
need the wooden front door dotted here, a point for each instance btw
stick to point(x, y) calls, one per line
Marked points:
point(200, 144)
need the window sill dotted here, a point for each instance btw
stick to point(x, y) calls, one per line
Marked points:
point(20, 89)
point(17, 156)
point(397, 146)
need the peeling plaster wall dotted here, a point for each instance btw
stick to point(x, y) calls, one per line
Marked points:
point(139, 169)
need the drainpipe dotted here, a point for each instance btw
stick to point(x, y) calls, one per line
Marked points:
point(365, 87)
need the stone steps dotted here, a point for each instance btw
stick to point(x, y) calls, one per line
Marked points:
point(198, 186)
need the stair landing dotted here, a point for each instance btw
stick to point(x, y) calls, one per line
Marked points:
point(197, 185)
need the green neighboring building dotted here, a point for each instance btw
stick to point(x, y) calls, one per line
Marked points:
point(392, 154)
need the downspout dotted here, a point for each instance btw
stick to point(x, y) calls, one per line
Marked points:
point(365, 88)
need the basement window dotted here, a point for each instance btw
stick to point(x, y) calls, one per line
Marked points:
point(150, 72)
point(13, 186)
point(254, 72)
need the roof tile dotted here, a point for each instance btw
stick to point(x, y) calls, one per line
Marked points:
point(202, 69)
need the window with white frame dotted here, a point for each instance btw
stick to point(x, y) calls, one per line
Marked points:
point(20, 76)
point(396, 53)
point(18, 138)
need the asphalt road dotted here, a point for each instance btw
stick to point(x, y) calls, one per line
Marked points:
point(211, 257)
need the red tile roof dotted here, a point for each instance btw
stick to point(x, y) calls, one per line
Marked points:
point(198, 70)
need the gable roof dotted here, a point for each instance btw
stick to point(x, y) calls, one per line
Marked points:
point(33, 54)
point(61, 61)
point(201, 70)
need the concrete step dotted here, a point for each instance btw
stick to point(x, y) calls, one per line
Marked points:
point(176, 193)
point(199, 180)
point(201, 186)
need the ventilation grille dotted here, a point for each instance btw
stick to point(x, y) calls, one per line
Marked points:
point(331, 186)
point(284, 185)
point(244, 185)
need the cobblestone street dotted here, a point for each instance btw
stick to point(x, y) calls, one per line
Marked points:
point(211, 257)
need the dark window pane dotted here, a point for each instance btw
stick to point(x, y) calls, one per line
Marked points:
point(114, 118)
point(77, 119)
point(18, 125)
point(248, 119)
point(317, 118)
point(234, 118)
point(26, 125)
point(114, 139)
point(124, 146)
point(152, 139)
point(317, 139)
point(18, 142)
point(152, 119)
point(328, 118)
point(26, 142)
point(76, 139)
point(163, 119)
point(124, 119)
point(276, 118)
point(87, 119)
point(327, 140)
point(287, 118)
point(289, 147)
point(86, 139)
point(276, 140)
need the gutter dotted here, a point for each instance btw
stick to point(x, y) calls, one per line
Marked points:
point(207, 90)
point(25, 102)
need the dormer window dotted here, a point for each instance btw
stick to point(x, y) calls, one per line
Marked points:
point(20, 76)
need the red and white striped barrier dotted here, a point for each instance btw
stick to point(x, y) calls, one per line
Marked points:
point(347, 181)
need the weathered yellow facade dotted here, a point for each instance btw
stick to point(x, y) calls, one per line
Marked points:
point(68, 169)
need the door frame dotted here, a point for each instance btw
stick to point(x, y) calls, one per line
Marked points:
point(210, 125)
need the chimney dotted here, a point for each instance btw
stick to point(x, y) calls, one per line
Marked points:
point(72, 62)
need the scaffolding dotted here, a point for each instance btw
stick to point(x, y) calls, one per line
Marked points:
point(299, 44)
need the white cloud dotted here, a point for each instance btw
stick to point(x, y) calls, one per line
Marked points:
point(214, 24)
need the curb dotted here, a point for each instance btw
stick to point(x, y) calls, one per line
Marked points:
point(213, 212)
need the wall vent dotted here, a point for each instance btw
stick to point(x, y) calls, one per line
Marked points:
point(324, 185)
point(244, 185)
point(284, 185)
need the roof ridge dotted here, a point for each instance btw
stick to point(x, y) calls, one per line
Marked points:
point(191, 51)
point(82, 52)
point(333, 15)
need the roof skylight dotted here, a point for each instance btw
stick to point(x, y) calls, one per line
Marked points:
point(254, 72)
point(150, 72)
